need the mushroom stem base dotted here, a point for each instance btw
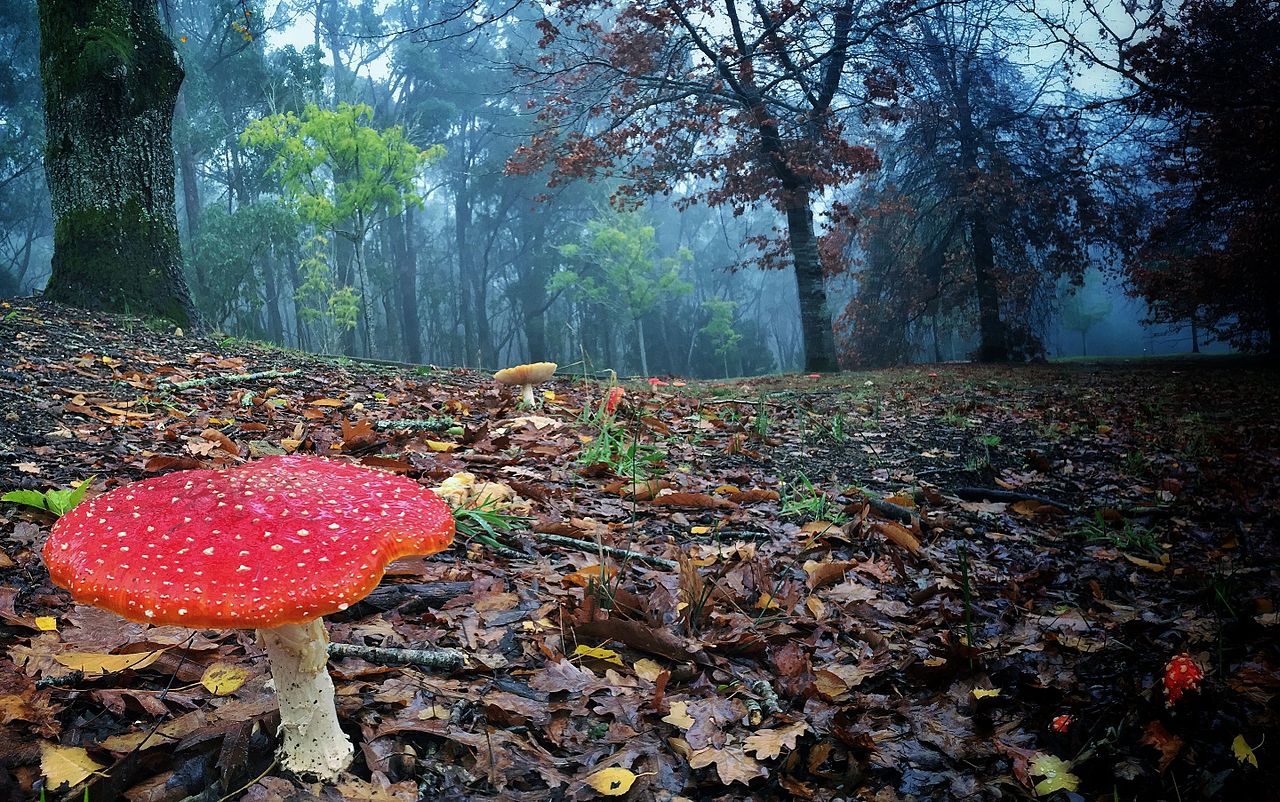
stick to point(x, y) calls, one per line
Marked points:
point(526, 396)
point(312, 742)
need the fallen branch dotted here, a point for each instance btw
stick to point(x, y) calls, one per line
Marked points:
point(888, 508)
point(438, 659)
point(420, 594)
point(233, 378)
point(990, 494)
point(596, 548)
point(438, 424)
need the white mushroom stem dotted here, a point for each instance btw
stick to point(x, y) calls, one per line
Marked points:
point(312, 740)
point(527, 395)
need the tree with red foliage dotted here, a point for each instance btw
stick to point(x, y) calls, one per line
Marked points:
point(738, 102)
point(986, 197)
point(1213, 71)
point(1210, 71)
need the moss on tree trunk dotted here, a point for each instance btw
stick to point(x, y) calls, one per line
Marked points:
point(111, 77)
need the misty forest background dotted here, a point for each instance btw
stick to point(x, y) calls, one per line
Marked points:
point(673, 187)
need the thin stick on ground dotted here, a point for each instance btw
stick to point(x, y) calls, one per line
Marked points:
point(596, 548)
point(234, 378)
point(437, 659)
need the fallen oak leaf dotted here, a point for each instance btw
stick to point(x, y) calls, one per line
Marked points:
point(732, 765)
point(769, 743)
point(679, 716)
point(1166, 743)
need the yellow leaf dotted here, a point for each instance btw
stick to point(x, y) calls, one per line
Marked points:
point(767, 602)
point(614, 781)
point(549, 395)
point(94, 663)
point(816, 608)
point(436, 445)
point(221, 679)
point(150, 737)
point(769, 743)
point(1244, 752)
point(679, 715)
point(647, 669)
point(607, 655)
point(70, 765)
point(699, 530)
point(46, 623)
point(983, 693)
point(328, 402)
point(1056, 772)
point(1147, 564)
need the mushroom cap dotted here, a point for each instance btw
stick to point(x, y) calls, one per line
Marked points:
point(280, 540)
point(535, 373)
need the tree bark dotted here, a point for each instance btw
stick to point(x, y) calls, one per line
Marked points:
point(111, 79)
point(815, 314)
point(992, 346)
point(407, 282)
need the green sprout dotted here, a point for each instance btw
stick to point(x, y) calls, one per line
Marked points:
point(57, 502)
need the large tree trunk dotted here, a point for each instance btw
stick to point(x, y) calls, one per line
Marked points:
point(407, 283)
point(815, 314)
point(992, 346)
point(111, 78)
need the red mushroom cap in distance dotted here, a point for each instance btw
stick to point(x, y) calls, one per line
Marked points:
point(280, 540)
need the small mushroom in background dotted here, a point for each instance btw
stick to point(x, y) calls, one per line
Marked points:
point(274, 544)
point(526, 376)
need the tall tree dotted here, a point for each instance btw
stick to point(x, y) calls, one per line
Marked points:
point(24, 200)
point(110, 78)
point(988, 192)
point(617, 266)
point(342, 175)
point(1212, 72)
point(743, 95)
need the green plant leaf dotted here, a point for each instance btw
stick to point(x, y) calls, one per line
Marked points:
point(57, 502)
point(31, 498)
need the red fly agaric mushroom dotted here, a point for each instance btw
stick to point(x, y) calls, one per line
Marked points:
point(1181, 675)
point(526, 376)
point(273, 544)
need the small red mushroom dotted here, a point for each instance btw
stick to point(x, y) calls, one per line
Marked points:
point(274, 544)
point(1061, 723)
point(612, 400)
point(654, 381)
point(1181, 675)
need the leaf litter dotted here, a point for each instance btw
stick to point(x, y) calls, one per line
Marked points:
point(892, 585)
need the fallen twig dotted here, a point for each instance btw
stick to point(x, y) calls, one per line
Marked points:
point(437, 424)
point(888, 508)
point(438, 659)
point(597, 548)
point(420, 594)
point(233, 378)
point(990, 494)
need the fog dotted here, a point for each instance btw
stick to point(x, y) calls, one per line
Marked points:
point(957, 185)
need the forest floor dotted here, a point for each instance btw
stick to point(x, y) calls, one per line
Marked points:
point(889, 585)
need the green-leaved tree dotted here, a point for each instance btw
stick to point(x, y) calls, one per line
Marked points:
point(616, 265)
point(344, 177)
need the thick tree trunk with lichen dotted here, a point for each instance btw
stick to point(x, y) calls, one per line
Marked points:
point(815, 313)
point(111, 78)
